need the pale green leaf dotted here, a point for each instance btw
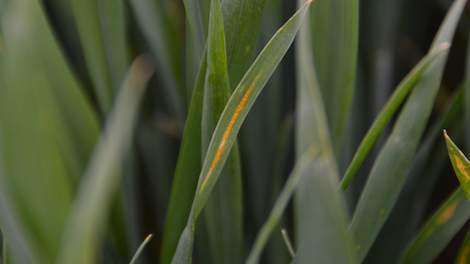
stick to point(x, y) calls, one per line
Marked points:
point(389, 171)
point(86, 221)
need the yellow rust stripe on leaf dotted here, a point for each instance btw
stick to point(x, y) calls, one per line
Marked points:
point(222, 146)
point(462, 169)
point(446, 214)
point(463, 258)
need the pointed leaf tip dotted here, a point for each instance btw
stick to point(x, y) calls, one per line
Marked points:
point(460, 164)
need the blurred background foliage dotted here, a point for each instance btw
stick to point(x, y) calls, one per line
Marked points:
point(393, 36)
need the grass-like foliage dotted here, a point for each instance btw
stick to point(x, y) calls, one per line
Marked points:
point(234, 131)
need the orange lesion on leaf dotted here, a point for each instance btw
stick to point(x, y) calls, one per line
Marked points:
point(462, 169)
point(464, 255)
point(446, 214)
point(222, 146)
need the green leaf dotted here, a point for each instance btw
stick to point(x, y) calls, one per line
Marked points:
point(87, 19)
point(460, 163)
point(259, 138)
point(140, 249)
point(156, 29)
point(421, 180)
point(101, 26)
point(230, 122)
point(242, 26)
point(187, 168)
point(223, 213)
point(467, 97)
point(335, 27)
point(113, 20)
point(47, 129)
point(239, 35)
point(464, 252)
point(388, 173)
point(438, 230)
point(384, 117)
point(321, 223)
point(86, 221)
point(304, 164)
point(13, 234)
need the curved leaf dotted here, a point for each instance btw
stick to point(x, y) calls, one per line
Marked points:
point(302, 166)
point(460, 163)
point(47, 129)
point(231, 120)
point(384, 184)
point(140, 249)
point(321, 219)
point(335, 32)
point(85, 223)
point(223, 213)
point(438, 230)
point(384, 117)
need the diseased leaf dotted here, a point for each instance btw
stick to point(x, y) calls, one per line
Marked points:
point(87, 219)
point(438, 230)
point(420, 184)
point(231, 120)
point(463, 256)
point(223, 213)
point(241, 41)
point(389, 171)
point(460, 163)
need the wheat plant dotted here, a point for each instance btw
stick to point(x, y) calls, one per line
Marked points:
point(234, 131)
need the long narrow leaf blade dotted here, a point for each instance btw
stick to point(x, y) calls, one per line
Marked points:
point(48, 127)
point(321, 223)
point(242, 24)
point(303, 164)
point(140, 249)
point(231, 120)
point(94, 196)
point(13, 233)
point(186, 173)
point(335, 31)
point(223, 213)
point(467, 97)
point(151, 19)
point(439, 229)
point(384, 117)
point(241, 102)
point(387, 176)
point(464, 252)
point(88, 23)
point(241, 41)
